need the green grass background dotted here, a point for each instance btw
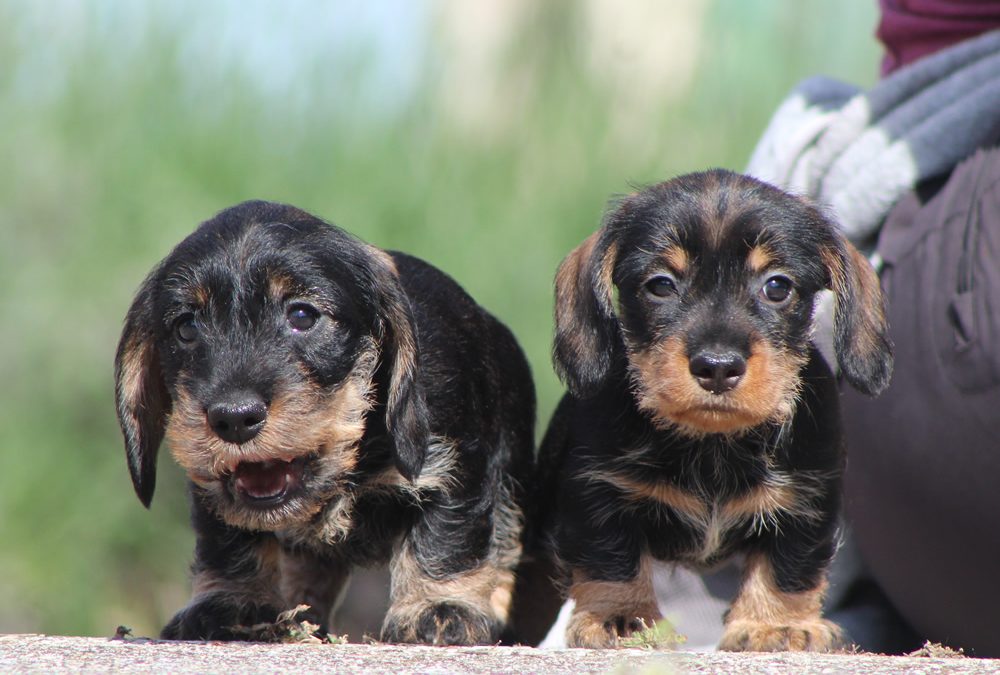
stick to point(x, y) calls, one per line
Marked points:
point(115, 148)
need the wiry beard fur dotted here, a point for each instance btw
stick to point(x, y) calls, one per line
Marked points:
point(324, 429)
point(664, 388)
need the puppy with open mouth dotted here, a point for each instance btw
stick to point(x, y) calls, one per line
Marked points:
point(701, 422)
point(333, 405)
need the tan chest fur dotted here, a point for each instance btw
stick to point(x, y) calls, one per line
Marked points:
point(761, 508)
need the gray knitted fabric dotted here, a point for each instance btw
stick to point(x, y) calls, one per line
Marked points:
point(857, 152)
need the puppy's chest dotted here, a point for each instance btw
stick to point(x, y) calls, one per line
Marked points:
point(698, 516)
point(358, 529)
point(364, 524)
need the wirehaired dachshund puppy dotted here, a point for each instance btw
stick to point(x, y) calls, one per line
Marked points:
point(701, 422)
point(333, 405)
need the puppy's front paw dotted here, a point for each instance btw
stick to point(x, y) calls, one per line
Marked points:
point(442, 623)
point(219, 616)
point(814, 635)
point(589, 630)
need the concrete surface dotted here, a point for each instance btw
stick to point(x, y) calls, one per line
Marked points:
point(39, 653)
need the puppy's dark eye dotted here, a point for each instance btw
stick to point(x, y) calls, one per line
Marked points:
point(302, 317)
point(661, 286)
point(185, 328)
point(777, 289)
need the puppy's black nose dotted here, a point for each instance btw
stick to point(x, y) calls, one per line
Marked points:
point(718, 372)
point(238, 419)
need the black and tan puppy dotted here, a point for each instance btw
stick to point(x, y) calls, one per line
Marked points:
point(701, 422)
point(333, 405)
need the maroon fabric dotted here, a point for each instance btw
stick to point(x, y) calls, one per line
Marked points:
point(910, 29)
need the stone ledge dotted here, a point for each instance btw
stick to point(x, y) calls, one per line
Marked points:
point(40, 653)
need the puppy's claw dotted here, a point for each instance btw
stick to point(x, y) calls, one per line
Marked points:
point(817, 635)
point(218, 616)
point(590, 631)
point(443, 623)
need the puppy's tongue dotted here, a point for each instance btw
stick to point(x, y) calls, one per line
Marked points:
point(265, 480)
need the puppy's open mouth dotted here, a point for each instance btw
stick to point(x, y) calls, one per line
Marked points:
point(267, 483)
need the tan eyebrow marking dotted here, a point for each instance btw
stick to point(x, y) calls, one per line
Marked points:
point(677, 258)
point(759, 258)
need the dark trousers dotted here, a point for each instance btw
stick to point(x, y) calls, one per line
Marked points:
point(923, 476)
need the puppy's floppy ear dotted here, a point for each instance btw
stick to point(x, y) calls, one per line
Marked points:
point(140, 393)
point(861, 337)
point(586, 327)
point(406, 407)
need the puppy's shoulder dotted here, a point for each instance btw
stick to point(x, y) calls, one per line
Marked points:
point(599, 425)
point(442, 307)
point(418, 277)
point(816, 440)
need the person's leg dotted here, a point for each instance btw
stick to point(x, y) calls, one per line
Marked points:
point(924, 458)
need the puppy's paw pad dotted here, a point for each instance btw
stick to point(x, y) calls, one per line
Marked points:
point(818, 635)
point(444, 623)
point(594, 632)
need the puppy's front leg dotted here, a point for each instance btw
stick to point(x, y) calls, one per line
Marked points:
point(235, 584)
point(243, 578)
point(452, 578)
point(773, 612)
point(604, 554)
point(606, 611)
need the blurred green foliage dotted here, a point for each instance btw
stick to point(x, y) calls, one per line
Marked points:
point(115, 149)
